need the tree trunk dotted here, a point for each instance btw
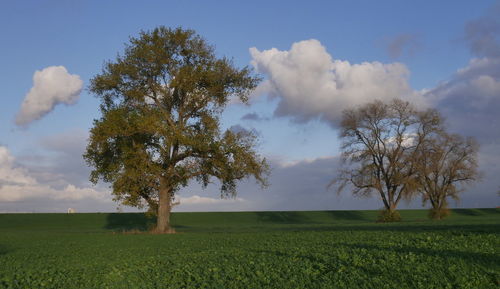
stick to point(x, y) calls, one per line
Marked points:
point(439, 210)
point(163, 216)
point(384, 199)
point(392, 208)
point(389, 214)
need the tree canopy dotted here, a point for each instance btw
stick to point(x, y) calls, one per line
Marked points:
point(379, 150)
point(397, 151)
point(446, 163)
point(161, 103)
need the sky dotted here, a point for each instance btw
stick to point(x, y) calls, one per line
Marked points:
point(316, 58)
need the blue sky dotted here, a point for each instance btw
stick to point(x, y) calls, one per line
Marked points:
point(429, 40)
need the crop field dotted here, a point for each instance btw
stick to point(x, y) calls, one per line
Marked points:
point(323, 249)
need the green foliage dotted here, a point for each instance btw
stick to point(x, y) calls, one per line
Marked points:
point(329, 249)
point(439, 213)
point(161, 103)
point(387, 216)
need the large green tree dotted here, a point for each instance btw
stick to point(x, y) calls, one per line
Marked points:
point(161, 103)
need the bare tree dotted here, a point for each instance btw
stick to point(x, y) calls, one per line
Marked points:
point(446, 163)
point(379, 150)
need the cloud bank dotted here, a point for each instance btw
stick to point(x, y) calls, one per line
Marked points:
point(17, 183)
point(206, 200)
point(470, 99)
point(297, 185)
point(310, 84)
point(51, 86)
point(199, 203)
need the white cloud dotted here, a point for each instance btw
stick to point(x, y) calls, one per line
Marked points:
point(56, 160)
point(13, 193)
point(487, 86)
point(198, 200)
point(51, 86)
point(310, 84)
point(202, 202)
point(16, 184)
point(470, 99)
point(11, 175)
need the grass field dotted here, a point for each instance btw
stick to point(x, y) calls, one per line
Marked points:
point(327, 249)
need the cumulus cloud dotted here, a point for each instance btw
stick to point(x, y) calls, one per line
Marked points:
point(470, 102)
point(194, 198)
point(17, 183)
point(470, 99)
point(10, 175)
point(402, 44)
point(57, 160)
point(198, 200)
point(52, 85)
point(310, 84)
point(477, 84)
point(13, 193)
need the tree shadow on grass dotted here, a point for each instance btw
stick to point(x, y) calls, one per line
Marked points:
point(283, 217)
point(126, 222)
point(348, 216)
point(298, 217)
point(129, 222)
point(469, 257)
point(400, 227)
point(485, 260)
point(476, 212)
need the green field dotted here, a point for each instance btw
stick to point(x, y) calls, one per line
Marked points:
point(324, 249)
